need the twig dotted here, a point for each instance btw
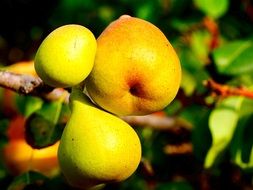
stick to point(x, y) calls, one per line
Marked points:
point(182, 148)
point(213, 29)
point(29, 85)
point(225, 90)
point(157, 122)
point(23, 84)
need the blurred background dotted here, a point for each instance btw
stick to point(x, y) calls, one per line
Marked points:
point(208, 142)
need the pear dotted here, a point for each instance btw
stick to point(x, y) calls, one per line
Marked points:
point(96, 147)
point(66, 56)
point(136, 69)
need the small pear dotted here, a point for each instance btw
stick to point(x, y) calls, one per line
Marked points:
point(66, 56)
point(96, 147)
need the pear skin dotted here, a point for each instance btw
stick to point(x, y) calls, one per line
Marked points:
point(96, 147)
point(136, 70)
point(66, 56)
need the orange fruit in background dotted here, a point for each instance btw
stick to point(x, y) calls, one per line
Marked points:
point(20, 157)
point(22, 67)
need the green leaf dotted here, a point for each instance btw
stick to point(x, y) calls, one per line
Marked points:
point(213, 8)
point(146, 10)
point(135, 182)
point(183, 25)
point(173, 108)
point(199, 44)
point(27, 104)
point(234, 58)
point(201, 137)
point(43, 127)
point(51, 111)
point(39, 131)
point(32, 104)
point(245, 165)
point(32, 179)
point(222, 123)
point(193, 71)
point(241, 146)
point(188, 83)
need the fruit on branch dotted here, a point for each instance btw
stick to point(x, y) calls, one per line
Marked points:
point(20, 157)
point(136, 70)
point(96, 147)
point(66, 56)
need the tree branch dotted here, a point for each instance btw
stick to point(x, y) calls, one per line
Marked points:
point(225, 90)
point(23, 84)
point(29, 85)
point(157, 122)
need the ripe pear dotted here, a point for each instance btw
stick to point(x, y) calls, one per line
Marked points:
point(136, 70)
point(96, 147)
point(66, 56)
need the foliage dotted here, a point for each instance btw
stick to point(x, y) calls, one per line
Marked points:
point(213, 40)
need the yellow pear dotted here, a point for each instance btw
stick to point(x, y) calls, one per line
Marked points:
point(96, 147)
point(66, 56)
point(136, 70)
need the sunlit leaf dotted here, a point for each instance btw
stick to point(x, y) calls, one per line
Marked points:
point(32, 105)
point(234, 58)
point(213, 8)
point(28, 104)
point(200, 40)
point(222, 123)
point(188, 83)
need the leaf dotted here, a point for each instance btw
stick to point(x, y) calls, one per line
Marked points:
point(193, 71)
point(38, 131)
point(199, 44)
point(43, 127)
point(239, 161)
point(31, 178)
point(28, 104)
point(201, 137)
point(173, 108)
point(241, 147)
point(213, 8)
point(234, 58)
point(145, 11)
point(222, 123)
point(32, 104)
point(188, 83)
point(51, 111)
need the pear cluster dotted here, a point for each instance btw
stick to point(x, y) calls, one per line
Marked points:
point(130, 69)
